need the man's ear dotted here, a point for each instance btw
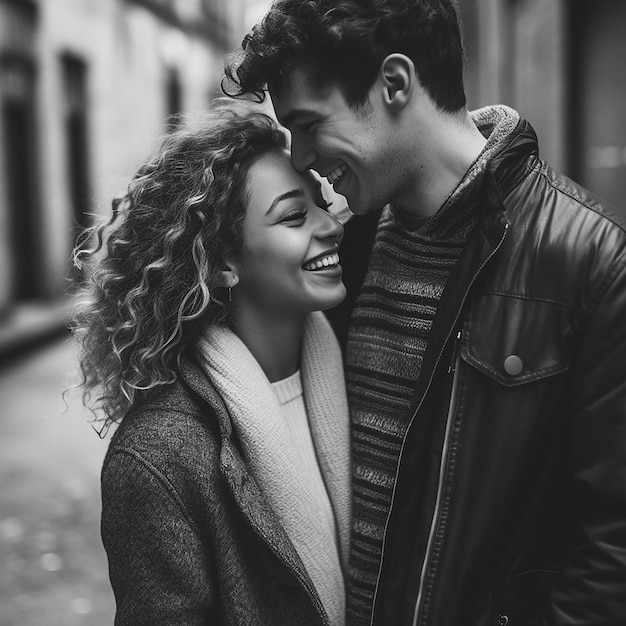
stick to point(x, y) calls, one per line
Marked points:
point(398, 78)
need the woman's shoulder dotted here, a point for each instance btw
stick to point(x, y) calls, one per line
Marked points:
point(175, 427)
point(164, 455)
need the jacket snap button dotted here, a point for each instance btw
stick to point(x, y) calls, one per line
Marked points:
point(513, 365)
point(503, 620)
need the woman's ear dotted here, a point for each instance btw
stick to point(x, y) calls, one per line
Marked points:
point(229, 273)
point(398, 78)
point(229, 277)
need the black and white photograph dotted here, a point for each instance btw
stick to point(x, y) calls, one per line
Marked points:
point(312, 313)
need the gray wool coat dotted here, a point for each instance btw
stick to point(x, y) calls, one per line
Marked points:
point(189, 537)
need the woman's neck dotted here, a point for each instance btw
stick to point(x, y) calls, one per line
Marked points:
point(274, 341)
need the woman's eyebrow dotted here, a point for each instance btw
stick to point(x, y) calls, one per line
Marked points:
point(293, 193)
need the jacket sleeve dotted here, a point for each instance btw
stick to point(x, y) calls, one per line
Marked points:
point(157, 562)
point(592, 587)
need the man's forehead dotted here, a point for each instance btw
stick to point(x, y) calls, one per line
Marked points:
point(299, 94)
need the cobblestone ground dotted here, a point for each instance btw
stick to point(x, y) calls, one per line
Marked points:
point(53, 568)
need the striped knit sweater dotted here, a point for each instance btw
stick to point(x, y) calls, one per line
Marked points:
point(389, 329)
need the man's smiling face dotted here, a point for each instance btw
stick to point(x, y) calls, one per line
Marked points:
point(351, 147)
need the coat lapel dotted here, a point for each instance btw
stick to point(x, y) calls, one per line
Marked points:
point(242, 485)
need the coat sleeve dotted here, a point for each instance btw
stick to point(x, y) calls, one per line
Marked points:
point(158, 564)
point(591, 590)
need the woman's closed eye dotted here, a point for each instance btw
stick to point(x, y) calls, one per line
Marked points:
point(294, 217)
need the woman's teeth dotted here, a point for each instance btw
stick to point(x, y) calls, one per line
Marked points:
point(327, 261)
point(336, 174)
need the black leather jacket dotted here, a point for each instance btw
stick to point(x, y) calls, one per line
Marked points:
point(519, 415)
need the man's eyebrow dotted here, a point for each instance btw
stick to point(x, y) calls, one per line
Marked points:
point(293, 193)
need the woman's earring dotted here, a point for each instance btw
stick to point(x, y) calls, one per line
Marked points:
point(233, 281)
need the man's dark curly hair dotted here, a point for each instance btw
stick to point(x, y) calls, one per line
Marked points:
point(343, 42)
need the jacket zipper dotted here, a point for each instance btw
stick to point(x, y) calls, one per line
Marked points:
point(454, 369)
point(444, 455)
point(436, 513)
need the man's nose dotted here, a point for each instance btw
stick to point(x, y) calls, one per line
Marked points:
point(302, 153)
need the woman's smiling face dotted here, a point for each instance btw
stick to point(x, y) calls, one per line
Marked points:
point(289, 261)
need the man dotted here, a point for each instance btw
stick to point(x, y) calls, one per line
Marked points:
point(485, 330)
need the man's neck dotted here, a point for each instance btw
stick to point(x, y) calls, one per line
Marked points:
point(448, 147)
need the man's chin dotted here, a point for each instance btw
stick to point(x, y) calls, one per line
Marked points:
point(361, 210)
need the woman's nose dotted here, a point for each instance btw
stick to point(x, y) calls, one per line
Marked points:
point(329, 227)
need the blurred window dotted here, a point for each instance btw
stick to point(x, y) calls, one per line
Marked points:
point(173, 98)
point(76, 129)
point(18, 82)
point(597, 96)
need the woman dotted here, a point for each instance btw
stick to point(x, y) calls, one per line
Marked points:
point(226, 495)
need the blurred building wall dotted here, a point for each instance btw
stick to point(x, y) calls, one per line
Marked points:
point(86, 88)
point(560, 63)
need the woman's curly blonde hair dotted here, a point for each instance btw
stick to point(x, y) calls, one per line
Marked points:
point(151, 273)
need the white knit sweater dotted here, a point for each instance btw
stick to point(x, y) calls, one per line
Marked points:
point(290, 396)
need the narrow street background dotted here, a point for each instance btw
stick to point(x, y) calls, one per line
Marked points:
point(86, 88)
point(53, 568)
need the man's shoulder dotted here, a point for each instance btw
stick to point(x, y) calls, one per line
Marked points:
point(561, 201)
point(565, 242)
point(575, 195)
